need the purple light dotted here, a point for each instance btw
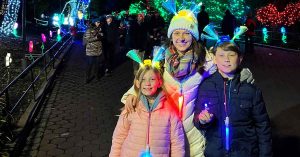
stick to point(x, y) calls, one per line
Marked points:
point(44, 39)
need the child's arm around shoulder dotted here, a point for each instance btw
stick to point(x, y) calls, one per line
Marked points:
point(119, 135)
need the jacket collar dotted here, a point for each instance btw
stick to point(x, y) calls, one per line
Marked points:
point(156, 105)
point(235, 82)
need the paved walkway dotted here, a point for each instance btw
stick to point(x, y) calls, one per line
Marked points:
point(79, 118)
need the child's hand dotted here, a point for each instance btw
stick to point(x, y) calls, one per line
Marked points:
point(131, 102)
point(205, 117)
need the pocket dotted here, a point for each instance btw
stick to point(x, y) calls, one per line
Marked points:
point(245, 108)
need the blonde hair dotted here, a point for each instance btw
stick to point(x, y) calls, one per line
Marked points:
point(139, 76)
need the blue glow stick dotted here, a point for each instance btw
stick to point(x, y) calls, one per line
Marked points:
point(227, 133)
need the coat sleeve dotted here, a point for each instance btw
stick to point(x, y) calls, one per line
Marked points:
point(177, 138)
point(131, 91)
point(262, 125)
point(90, 38)
point(119, 136)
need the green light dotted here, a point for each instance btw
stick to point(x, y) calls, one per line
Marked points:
point(265, 35)
point(58, 38)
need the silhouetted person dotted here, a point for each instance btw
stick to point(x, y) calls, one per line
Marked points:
point(111, 36)
point(228, 24)
point(251, 25)
point(203, 19)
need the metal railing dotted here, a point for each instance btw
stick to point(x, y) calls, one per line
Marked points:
point(23, 96)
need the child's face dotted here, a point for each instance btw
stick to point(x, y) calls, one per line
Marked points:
point(150, 83)
point(182, 39)
point(227, 62)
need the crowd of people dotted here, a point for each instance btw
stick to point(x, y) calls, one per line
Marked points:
point(195, 102)
point(112, 37)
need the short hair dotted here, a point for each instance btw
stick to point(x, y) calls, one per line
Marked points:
point(227, 46)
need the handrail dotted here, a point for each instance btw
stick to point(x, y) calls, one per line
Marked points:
point(45, 62)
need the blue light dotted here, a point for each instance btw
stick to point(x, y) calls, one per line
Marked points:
point(282, 30)
point(227, 137)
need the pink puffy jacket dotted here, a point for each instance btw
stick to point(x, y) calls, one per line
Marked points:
point(166, 138)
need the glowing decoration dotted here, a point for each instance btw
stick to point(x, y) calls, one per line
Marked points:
point(227, 143)
point(15, 32)
point(50, 34)
point(8, 59)
point(66, 21)
point(71, 21)
point(236, 7)
point(265, 35)
point(146, 153)
point(10, 17)
point(239, 31)
point(58, 38)
point(57, 20)
point(80, 15)
point(58, 31)
point(16, 25)
point(195, 7)
point(133, 54)
point(180, 104)
point(206, 107)
point(44, 39)
point(30, 49)
point(283, 32)
point(170, 6)
point(158, 53)
point(136, 8)
point(30, 46)
point(270, 16)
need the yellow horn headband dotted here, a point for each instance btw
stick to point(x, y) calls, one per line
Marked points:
point(184, 14)
point(148, 62)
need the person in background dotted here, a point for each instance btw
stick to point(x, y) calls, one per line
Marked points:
point(203, 19)
point(92, 38)
point(111, 42)
point(228, 24)
point(249, 41)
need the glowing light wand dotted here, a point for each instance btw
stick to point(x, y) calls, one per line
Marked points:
point(226, 133)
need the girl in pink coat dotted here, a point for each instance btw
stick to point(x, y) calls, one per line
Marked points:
point(153, 129)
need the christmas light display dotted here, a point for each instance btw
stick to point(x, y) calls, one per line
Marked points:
point(73, 11)
point(265, 35)
point(30, 49)
point(137, 8)
point(270, 16)
point(15, 31)
point(10, 17)
point(44, 39)
point(283, 37)
point(215, 8)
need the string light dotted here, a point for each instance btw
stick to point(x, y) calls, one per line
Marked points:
point(270, 16)
point(10, 17)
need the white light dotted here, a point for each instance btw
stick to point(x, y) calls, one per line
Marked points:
point(8, 60)
point(16, 25)
point(71, 21)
